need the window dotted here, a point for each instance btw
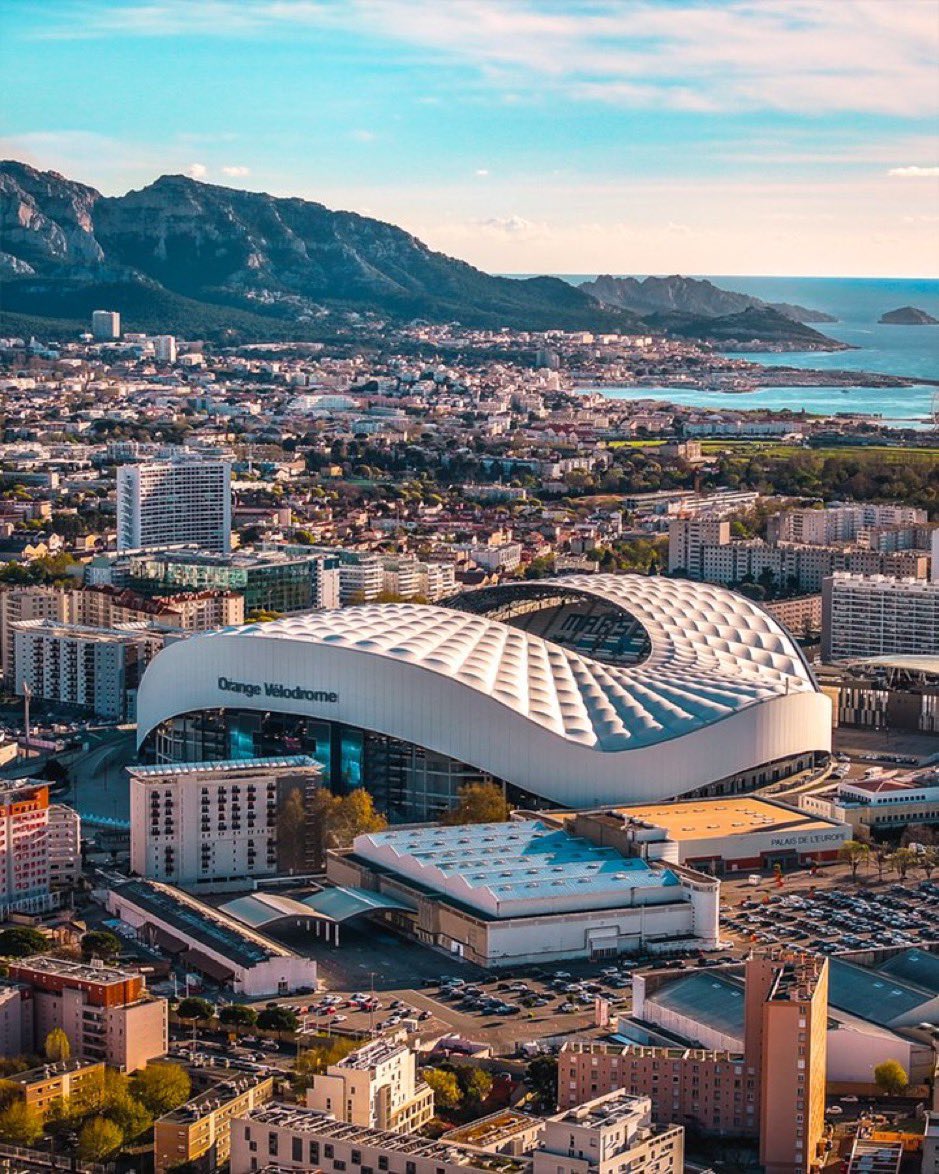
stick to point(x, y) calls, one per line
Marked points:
point(297, 1149)
point(272, 1143)
point(328, 1150)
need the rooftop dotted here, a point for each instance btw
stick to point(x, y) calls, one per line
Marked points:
point(76, 971)
point(914, 966)
point(227, 766)
point(201, 923)
point(484, 865)
point(299, 1120)
point(222, 1093)
point(606, 1110)
point(49, 1071)
point(707, 819)
point(491, 1130)
point(878, 997)
point(706, 998)
point(372, 1054)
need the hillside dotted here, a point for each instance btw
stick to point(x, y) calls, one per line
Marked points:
point(288, 258)
point(687, 295)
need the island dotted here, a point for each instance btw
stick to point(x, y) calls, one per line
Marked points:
point(908, 316)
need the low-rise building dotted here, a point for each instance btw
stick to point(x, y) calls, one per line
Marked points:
point(610, 1134)
point(377, 1086)
point(498, 894)
point(890, 799)
point(197, 1135)
point(106, 1012)
point(210, 942)
point(718, 836)
point(41, 1087)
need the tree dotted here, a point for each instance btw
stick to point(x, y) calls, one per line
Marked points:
point(161, 1087)
point(291, 833)
point(929, 861)
point(20, 1124)
point(854, 852)
point(891, 1077)
point(278, 1019)
point(57, 1046)
point(22, 941)
point(130, 1116)
point(356, 816)
point(193, 1008)
point(475, 1083)
point(446, 1087)
point(479, 803)
point(902, 861)
point(99, 1140)
point(880, 860)
point(237, 1015)
point(99, 943)
point(543, 1075)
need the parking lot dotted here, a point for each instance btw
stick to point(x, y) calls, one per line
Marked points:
point(837, 919)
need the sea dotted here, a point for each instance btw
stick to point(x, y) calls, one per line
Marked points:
point(857, 303)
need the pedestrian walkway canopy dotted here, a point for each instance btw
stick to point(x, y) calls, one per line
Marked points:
point(331, 905)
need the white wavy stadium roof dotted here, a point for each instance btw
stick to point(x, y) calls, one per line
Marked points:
point(713, 653)
point(723, 691)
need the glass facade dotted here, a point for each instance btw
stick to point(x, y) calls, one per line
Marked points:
point(408, 782)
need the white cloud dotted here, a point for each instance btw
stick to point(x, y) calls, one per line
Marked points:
point(236, 172)
point(810, 56)
point(914, 172)
point(197, 171)
point(512, 227)
point(481, 171)
point(363, 136)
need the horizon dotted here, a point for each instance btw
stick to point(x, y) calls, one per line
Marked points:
point(670, 136)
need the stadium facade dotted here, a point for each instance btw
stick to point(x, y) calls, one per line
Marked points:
point(579, 691)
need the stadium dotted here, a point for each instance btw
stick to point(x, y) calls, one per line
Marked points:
point(577, 691)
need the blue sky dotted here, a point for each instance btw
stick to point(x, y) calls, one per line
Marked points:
point(745, 136)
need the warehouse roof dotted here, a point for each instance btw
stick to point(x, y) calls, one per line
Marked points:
point(710, 999)
point(486, 864)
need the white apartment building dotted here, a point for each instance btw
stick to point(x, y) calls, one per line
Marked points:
point(437, 580)
point(185, 500)
point(361, 577)
point(95, 668)
point(211, 826)
point(164, 348)
point(64, 846)
point(26, 603)
point(501, 557)
point(375, 1086)
point(105, 325)
point(610, 1134)
point(710, 554)
point(843, 523)
point(874, 615)
point(402, 576)
point(687, 540)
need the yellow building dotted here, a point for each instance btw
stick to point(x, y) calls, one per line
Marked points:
point(199, 1132)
